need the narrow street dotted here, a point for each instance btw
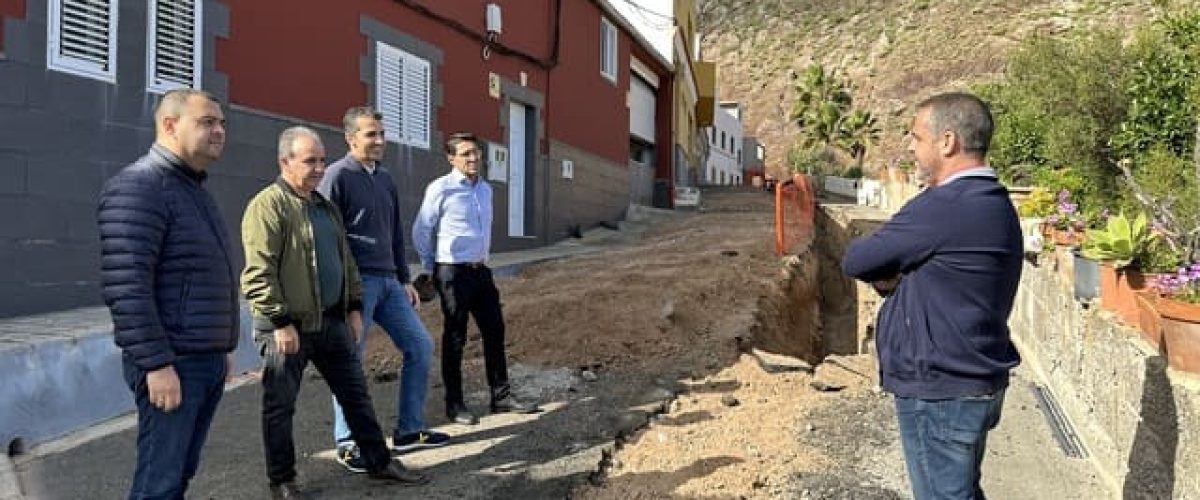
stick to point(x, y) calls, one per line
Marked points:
point(644, 356)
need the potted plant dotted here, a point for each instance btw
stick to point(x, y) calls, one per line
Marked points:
point(1159, 259)
point(1179, 305)
point(1115, 246)
point(1066, 221)
point(1085, 270)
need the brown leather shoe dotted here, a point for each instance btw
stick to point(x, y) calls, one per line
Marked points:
point(397, 472)
point(287, 491)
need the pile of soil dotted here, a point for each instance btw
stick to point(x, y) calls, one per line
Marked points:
point(683, 304)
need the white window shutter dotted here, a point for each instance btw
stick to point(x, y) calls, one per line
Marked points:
point(415, 117)
point(82, 38)
point(387, 89)
point(402, 83)
point(174, 44)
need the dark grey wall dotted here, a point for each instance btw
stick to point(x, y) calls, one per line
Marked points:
point(61, 136)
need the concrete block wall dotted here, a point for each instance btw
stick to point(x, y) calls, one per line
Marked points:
point(641, 184)
point(599, 191)
point(1136, 417)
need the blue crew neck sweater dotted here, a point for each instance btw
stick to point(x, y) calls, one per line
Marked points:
point(370, 208)
point(943, 333)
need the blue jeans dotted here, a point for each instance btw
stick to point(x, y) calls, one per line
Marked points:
point(386, 303)
point(169, 444)
point(944, 441)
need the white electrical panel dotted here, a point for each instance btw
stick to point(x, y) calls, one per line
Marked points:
point(497, 163)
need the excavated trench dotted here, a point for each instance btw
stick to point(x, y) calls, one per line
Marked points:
point(807, 311)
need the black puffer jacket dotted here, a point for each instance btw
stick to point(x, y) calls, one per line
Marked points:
point(165, 263)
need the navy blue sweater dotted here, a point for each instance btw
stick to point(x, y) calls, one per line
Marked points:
point(944, 332)
point(370, 208)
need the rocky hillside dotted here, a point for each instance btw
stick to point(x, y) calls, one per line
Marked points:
point(893, 51)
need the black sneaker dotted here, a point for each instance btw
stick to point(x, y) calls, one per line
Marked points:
point(418, 440)
point(349, 457)
point(510, 403)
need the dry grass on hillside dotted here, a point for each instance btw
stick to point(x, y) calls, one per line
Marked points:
point(894, 52)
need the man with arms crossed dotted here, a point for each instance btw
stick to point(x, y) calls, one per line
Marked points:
point(950, 260)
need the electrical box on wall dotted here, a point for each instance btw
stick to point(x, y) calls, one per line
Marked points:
point(494, 23)
point(568, 169)
point(497, 163)
point(493, 85)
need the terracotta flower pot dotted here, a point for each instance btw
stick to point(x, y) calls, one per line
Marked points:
point(1149, 319)
point(1117, 289)
point(1068, 238)
point(1181, 333)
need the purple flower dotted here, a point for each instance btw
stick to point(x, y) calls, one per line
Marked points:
point(1064, 196)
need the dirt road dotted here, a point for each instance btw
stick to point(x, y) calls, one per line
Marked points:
point(642, 355)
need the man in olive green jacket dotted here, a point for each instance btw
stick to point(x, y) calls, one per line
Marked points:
point(303, 288)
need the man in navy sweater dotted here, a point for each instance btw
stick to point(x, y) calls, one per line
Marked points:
point(949, 262)
point(366, 195)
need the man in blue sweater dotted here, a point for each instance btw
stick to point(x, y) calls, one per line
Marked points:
point(366, 195)
point(949, 262)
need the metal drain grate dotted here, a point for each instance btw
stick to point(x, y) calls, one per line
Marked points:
point(1067, 439)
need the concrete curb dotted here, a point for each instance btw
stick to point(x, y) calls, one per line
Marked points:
point(10, 487)
point(63, 372)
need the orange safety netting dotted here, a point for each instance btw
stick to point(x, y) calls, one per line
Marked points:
point(795, 204)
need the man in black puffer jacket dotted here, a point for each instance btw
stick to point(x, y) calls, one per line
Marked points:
point(171, 288)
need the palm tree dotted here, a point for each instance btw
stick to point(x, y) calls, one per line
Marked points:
point(824, 111)
point(858, 131)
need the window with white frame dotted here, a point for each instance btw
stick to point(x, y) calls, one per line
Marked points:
point(608, 49)
point(82, 38)
point(402, 92)
point(173, 44)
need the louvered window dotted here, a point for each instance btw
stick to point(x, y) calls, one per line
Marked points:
point(608, 50)
point(82, 38)
point(173, 45)
point(402, 88)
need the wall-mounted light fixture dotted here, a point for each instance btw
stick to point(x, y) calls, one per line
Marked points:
point(495, 25)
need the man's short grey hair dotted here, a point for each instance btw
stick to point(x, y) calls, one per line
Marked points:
point(350, 119)
point(287, 139)
point(964, 114)
point(173, 101)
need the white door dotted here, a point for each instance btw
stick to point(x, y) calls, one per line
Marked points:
point(516, 169)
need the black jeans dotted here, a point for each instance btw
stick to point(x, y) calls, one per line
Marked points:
point(469, 290)
point(332, 351)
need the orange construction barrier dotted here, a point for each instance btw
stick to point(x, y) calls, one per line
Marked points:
point(795, 207)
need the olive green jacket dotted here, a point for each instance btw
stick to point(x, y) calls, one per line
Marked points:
point(280, 279)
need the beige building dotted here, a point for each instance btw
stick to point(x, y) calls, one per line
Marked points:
point(670, 26)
